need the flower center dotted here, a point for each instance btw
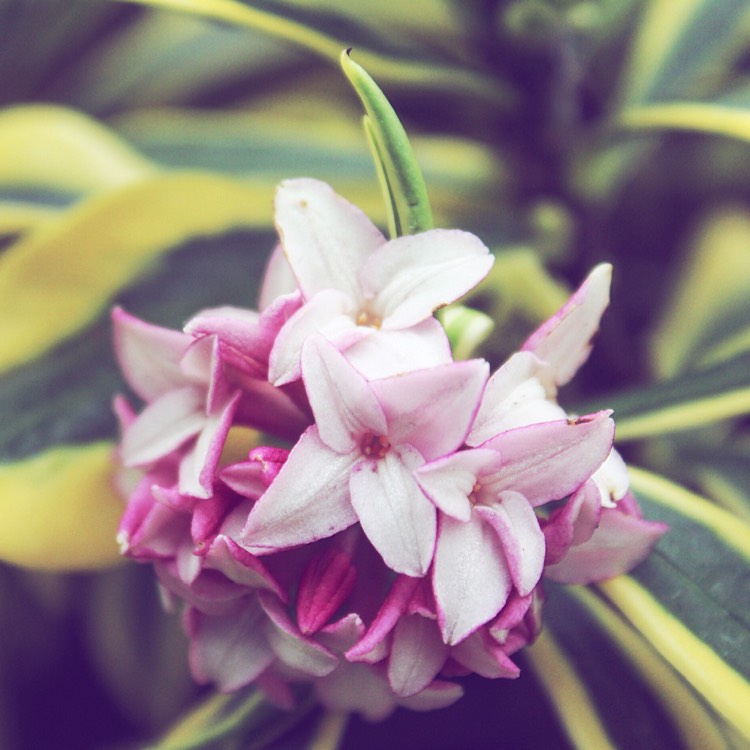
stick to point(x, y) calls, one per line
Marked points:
point(366, 318)
point(374, 446)
point(474, 494)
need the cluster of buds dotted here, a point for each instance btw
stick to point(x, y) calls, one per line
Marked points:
point(388, 527)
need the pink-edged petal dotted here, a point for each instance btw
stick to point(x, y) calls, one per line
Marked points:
point(517, 527)
point(238, 565)
point(230, 651)
point(550, 460)
point(342, 401)
point(514, 397)
point(385, 353)
point(326, 582)
point(573, 523)
point(432, 409)
point(325, 238)
point(308, 500)
point(482, 655)
point(612, 479)
point(618, 545)
point(393, 607)
point(163, 426)
point(271, 410)
point(417, 655)
point(148, 355)
point(470, 577)
point(410, 277)
point(449, 481)
point(278, 279)
point(295, 650)
point(394, 513)
point(438, 694)
point(330, 312)
point(198, 467)
point(565, 340)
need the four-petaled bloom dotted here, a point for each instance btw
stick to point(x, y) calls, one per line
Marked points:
point(400, 538)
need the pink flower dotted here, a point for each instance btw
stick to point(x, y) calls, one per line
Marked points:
point(371, 297)
point(356, 462)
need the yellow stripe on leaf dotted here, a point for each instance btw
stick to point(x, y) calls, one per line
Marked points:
point(59, 510)
point(59, 278)
point(58, 148)
point(723, 688)
point(568, 695)
point(697, 726)
point(698, 117)
point(730, 529)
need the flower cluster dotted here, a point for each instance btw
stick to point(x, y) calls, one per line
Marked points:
point(400, 537)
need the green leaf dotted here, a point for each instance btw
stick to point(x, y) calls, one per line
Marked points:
point(690, 598)
point(401, 177)
point(690, 400)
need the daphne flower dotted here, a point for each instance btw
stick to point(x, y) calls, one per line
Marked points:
point(356, 462)
point(372, 297)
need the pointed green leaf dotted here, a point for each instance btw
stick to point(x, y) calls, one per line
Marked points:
point(406, 189)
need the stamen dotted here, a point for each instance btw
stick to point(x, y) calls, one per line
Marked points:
point(375, 446)
point(366, 318)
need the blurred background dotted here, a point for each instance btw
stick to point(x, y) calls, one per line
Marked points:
point(139, 149)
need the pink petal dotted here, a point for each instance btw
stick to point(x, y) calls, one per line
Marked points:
point(357, 687)
point(342, 401)
point(239, 566)
point(163, 426)
point(231, 651)
point(523, 541)
point(325, 238)
point(550, 460)
point(449, 481)
point(385, 353)
point(618, 545)
point(482, 655)
point(326, 582)
point(330, 312)
point(573, 523)
point(393, 511)
point(417, 655)
point(432, 409)
point(470, 577)
point(198, 467)
point(514, 397)
point(565, 340)
point(308, 500)
point(148, 355)
point(410, 277)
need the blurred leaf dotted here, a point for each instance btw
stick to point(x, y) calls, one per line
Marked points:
point(55, 281)
point(726, 477)
point(682, 49)
point(60, 149)
point(690, 598)
point(59, 509)
point(690, 400)
point(708, 318)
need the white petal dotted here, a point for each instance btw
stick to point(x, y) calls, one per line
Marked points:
point(410, 277)
point(308, 500)
point(325, 238)
point(417, 655)
point(342, 401)
point(395, 515)
point(470, 577)
point(278, 279)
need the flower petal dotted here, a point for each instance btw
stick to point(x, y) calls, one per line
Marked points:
point(308, 500)
point(523, 541)
point(278, 279)
point(438, 694)
point(470, 577)
point(432, 409)
point(148, 355)
point(550, 460)
point(325, 238)
point(342, 401)
point(564, 341)
point(449, 481)
point(410, 277)
point(417, 655)
point(394, 513)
